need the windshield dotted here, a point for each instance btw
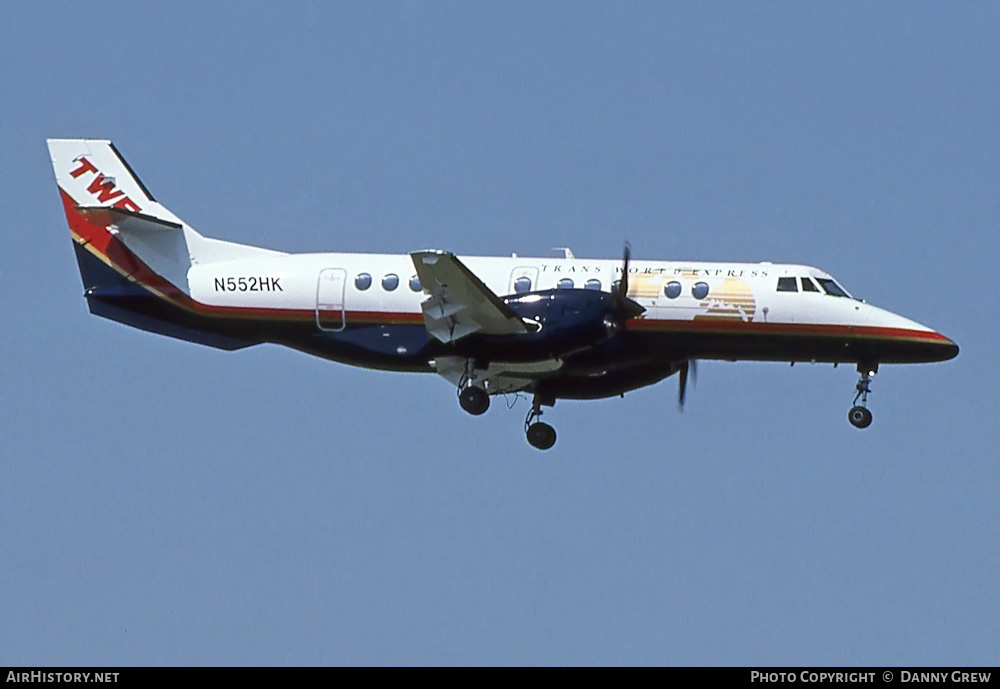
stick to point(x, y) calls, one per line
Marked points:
point(832, 288)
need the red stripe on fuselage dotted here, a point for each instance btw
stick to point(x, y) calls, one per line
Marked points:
point(750, 327)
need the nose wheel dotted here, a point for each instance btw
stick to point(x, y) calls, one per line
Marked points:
point(540, 435)
point(859, 416)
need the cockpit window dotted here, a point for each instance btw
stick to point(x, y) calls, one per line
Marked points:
point(809, 286)
point(832, 288)
point(787, 285)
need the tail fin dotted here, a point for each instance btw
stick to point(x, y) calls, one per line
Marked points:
point(134, 254)
point(114, 218)
point(109, 209)
point(94, 174)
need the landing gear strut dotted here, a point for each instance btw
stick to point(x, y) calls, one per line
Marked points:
point(473, 398)
point(859, 416)
point(540, 435)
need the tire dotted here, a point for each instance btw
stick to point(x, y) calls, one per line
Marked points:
point(474, 400)
point(541, 435)
point(859, 417)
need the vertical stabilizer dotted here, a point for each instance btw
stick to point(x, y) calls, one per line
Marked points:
point(114, 218)
point(134, 254)
point(93, 173)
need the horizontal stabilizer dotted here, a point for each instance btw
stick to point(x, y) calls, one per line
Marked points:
point(127, 220)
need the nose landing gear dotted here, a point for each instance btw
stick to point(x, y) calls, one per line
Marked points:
point(859, 416)
point(540, 435)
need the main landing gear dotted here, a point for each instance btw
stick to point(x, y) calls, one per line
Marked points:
point(540, 435)
point(859, 416)
point(473, 398)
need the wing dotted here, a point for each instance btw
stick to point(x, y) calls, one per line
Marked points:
point(459, 303)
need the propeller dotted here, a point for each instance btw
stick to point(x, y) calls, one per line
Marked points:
point(620, 288)
point(625, 308)
point(687, 367)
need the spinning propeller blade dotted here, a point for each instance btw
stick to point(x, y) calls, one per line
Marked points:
point(625, 308)
point(686, 368)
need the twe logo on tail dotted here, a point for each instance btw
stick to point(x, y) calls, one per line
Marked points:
point(103, 187)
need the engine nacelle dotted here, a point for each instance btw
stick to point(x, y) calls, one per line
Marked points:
point(559, 321)
point(574, 314)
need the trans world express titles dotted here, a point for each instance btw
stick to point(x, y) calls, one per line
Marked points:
point(688, 272)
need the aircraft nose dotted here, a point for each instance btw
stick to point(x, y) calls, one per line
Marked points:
point(947, 348)
point(910, 341)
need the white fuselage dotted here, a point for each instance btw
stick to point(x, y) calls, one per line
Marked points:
point(745, 292)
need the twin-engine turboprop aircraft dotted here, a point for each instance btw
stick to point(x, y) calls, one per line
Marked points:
point(552, 327)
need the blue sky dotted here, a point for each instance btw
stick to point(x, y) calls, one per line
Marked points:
point(163, 503)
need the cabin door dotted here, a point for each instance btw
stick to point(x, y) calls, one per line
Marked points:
point(330, 299)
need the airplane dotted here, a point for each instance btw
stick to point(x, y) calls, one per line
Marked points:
point(552, 328)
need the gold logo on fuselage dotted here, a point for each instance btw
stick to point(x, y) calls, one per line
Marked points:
point(732, 299)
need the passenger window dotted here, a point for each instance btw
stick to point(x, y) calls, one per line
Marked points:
point(593, 284)
point(415, 283)
point(390, 282)
point(700, 290)
point(672, 289)
point(787, 285)
point(809, 286)
point(522, 285)
point(363, 281)
point(565, 283)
